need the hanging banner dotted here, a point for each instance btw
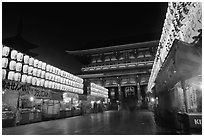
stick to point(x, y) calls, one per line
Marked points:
point(15, 86)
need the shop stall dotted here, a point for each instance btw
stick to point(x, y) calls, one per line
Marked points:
point(34, 89)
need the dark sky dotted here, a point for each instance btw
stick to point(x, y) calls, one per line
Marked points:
point(58, 26)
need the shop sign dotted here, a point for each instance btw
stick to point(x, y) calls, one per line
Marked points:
point(195, 121)
point(15, 86)
point(40, 92)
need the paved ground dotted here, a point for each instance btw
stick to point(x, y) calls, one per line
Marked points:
point(107, 123)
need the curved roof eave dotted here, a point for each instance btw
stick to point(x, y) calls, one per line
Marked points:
point(113, 48)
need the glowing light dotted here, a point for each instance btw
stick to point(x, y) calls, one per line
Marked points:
point(31, 99)
point(152, 99)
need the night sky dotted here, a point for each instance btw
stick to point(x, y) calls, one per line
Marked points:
point(57, 26)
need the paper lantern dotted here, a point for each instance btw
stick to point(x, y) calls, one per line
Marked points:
point(31, 61)
point(42, 74)
point(59, 72)
point(42, 82)
point(50, 76)
point(51, 68)
point(34, 71)
point(47, 75)
point(14, 54)
point(40, 64)
point(17, 77)
point(48, 68)
point(19, 57)
point(25, 68)
point(46, 83)
point(4, 62)
point(58, 86)
point(34, 80)
point(3, 74)
point(5, 51)
point(18, 66)
point(50, 84)
point(43, 65)
point(36, 63)
point(53, 85)
point(23, 78)
point(26, 59)
point(12, 65)
point(11, 75)
point(30, 70)
point(39, 72)
point(38, 82)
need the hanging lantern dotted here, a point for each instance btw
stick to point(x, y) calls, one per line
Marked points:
point(48, 68)
point(50, 76)
point(42, 82)
point(12, 65)
point(3, 74)
point(34, 71)
point(38, 82)
point(25, 68)
point(5, 51)
point(31, 61)
point(18, 66)
point(53, 85)
point(4, 62)
point(30, 70)
point(40, 64)
point(17, 77)
point(35, 63)
point(23, 78)
point(19, 57)
point(11, 75)
point(43, 65)
point(51, 68)
point(61, 73)
point(47, 75)
point(39, 72)
point(26, 59)
point(61, 80)
point(42, 74)
point(46, 84)
point(14, 54)
point(55, 78)
point(60, 86)
point(34, 80)
point(50, 84)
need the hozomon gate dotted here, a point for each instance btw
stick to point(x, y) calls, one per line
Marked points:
point(123, 69)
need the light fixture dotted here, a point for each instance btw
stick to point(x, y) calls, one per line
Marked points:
point(31, 99)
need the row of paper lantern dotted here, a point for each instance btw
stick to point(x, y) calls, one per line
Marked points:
point(31, 62)
point(12, 75)
point(99, 95)
point(98, 87)
point(35, 72)
point(39, 82)
point(98, 91)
